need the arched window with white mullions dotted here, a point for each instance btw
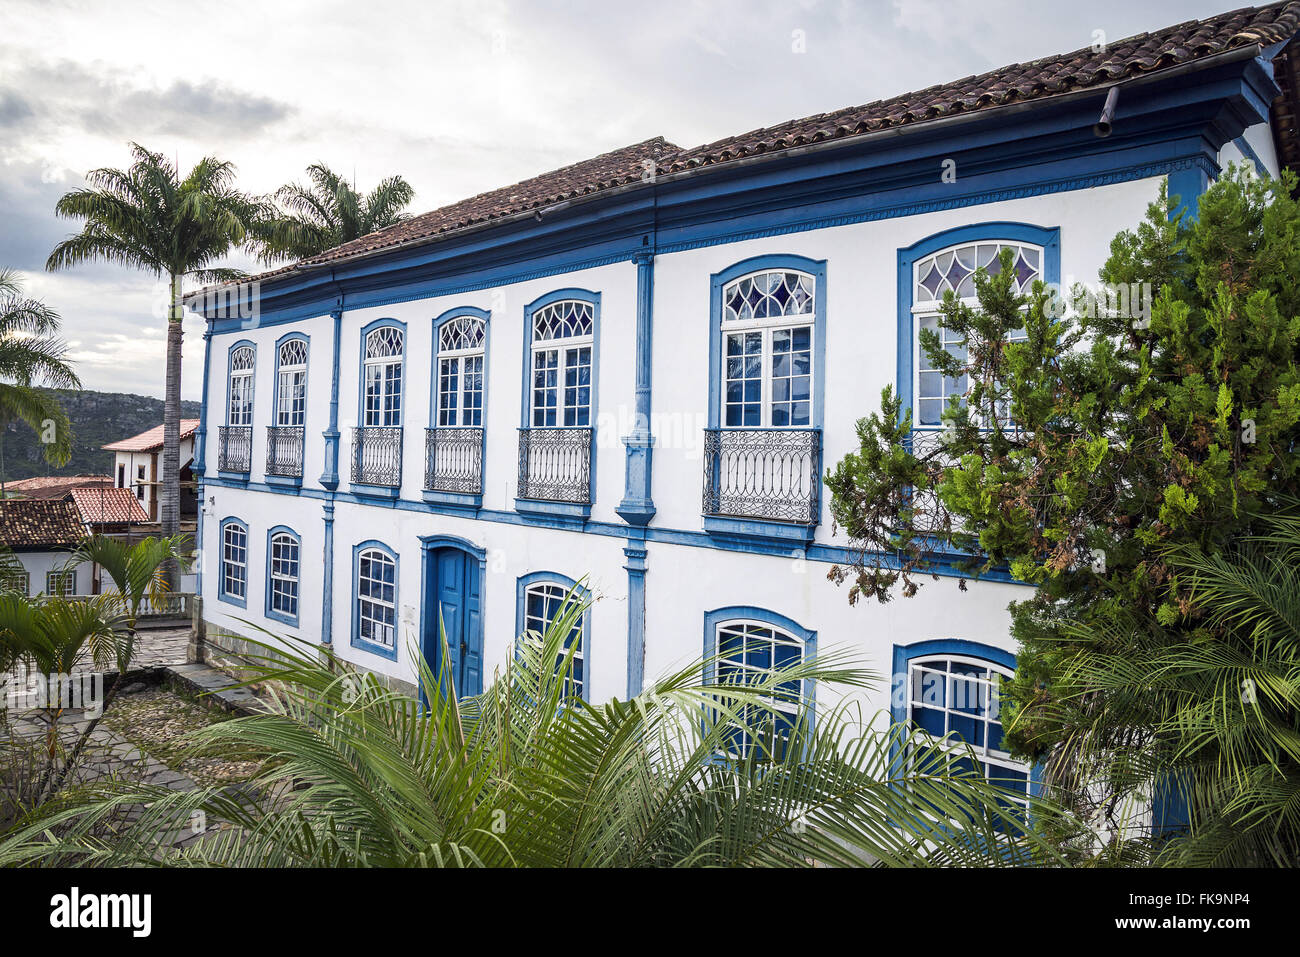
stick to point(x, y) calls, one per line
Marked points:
point(768, 338)
point(374, 603)
point(283, 573)
point(952, 692)
point(291, 382)
point(540, 600)
point(948, 262)
point(239, 408)
point(563, 336)
point(461, 344)
point(454, 444)
point(744, 645)
point(377, 440)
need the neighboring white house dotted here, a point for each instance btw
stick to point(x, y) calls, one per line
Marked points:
point(632, 372)
point(137, 465)
point(42, 534)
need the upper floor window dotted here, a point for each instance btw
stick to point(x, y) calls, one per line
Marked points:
point(382, 377)
point(283, 556)
point(291, 383)
point(562, 342)
point(749, 646)
point(16, 581)
point(541, 601)
point(61, 583)
point(937, 266)
point(376, 599)
point(767, 331)
point(955, 698)
point(243, 360)
point(234, 562)
point(461, 343)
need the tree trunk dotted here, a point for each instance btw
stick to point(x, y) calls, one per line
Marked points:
point(170, 490)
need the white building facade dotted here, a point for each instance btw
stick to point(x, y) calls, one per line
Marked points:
point(637, 389)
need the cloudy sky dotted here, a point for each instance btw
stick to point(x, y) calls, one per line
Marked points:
point(458, 97)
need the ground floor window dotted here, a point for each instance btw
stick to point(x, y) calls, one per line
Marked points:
point(542, 603)
point(376, 590)
point(234, 562)
point(282, 597)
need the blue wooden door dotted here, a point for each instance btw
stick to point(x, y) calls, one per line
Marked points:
point(457, 600)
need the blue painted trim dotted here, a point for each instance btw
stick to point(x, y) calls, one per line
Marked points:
point(222, 595)
point(581, 592)
point(327, 577)
point(237, 479)
point(201, 433)
point(429, 544)
point(457, 503)
point(284, 481)
point(712, 619)
point(275, 379)
point(816, 268)
point(1048, 237)
point(375, 493)
point(638, 507)
point(570, 514)
point(635, 553)
point(765, 537)
point(830, 554)
point(357, 641)
point(463, 504)
point(270, 612)
point(374, 490)
point(252, 400)
point(1188, 185)
point(330, 476)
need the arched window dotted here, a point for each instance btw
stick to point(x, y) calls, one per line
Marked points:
point(375, 618)
point(563, 334)
point(233, 584)
point(541, 597)
point(952, 692)
point(239, 410)
point(382, 377)
point(768, 328)
point(747, 645)
point(461, 343)
point(291, 383)
point(283, 555)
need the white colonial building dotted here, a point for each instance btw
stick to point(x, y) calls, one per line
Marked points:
point(631, 373)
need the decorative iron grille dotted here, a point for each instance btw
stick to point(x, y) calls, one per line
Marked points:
point(555, 465)
point(234, 448)
point(763, 473)
point(377, 456)
point(453, 460)
point(284, 450)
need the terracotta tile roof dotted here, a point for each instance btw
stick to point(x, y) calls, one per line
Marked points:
point(39, 523)
point(1040, 79)
point(1050, 76)
point(151, 439)
point(55, 486)
point(111, 505)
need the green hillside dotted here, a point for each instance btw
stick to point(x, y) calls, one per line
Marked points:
point(97, 419)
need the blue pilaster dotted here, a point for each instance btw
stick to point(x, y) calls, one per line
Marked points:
point(635, 552)
point(201, 433)
point(330, 477)
point(327, 577)
point(1188, 180)
point(637, 507)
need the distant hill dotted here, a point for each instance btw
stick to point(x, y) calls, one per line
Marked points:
point(97, 419)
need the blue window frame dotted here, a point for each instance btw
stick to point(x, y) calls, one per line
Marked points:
point(241, 368)
point(291, 356)
point(948, 260)
point(374, 601)
point(283, 573)
point(949, 688)
point(538, 599)
point(768, 344)
point(744, 644)
point(233, 583)
point(383, 353)
point(460, 361)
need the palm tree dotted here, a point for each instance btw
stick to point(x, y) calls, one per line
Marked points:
point(32, 355)
point(146, 217)
point(1213, 722)
point(525, 775)
point(328, 213)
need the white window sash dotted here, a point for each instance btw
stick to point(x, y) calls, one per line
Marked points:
point(768, 327)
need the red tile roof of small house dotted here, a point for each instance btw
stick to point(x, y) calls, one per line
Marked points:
point(1145, 53)
point(151, 439)
point(108, 506)
point(55, 486)
point(32, 523)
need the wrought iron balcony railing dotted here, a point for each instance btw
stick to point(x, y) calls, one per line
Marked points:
point(772, 474)
point(555, 465)
point(377, 456)
point(453, 460)
point(234, 448)
point(284, 450)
